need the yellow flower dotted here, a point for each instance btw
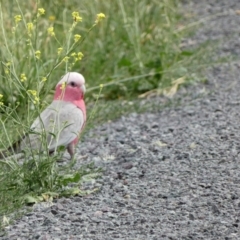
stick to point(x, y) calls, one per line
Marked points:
point(37, 54)
point(79, 56)
point(33, 92)
point(23, 77)
point(51, 31)
point(76, 17)
point(36, 100)
point(63, 86)
point(101, 86)
point(29, 27)
point(52, 18)
point(8, 64)
point(18, 18)
point(41, 11)
point(60, 50)
point(44, 79)
point(99, 18)
point(1, 103)
point(65, 59)
point(77, 37)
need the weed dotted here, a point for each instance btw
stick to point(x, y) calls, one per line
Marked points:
point(26, 71)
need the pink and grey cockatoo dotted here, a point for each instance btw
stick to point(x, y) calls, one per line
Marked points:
point(61, 123)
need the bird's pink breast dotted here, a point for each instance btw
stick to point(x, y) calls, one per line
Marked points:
point(75, 97)
point(81, 105)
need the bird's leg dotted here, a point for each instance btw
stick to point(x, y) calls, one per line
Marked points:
point(70, 149)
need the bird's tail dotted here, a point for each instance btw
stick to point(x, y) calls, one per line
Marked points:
point(11, 150)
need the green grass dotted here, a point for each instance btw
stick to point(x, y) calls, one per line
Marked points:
point(134, 50)
point(136, 38)
point(39, 179)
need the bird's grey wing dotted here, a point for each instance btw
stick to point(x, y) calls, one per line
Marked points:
point(38, 131)
point(58, 125)
point(69, 123)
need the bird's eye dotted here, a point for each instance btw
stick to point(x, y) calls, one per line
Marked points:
point(72, 84)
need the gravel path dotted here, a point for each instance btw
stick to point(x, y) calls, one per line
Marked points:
point(173, 174)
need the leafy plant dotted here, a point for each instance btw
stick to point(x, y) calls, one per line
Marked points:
point(40, 179)
point(25, 83)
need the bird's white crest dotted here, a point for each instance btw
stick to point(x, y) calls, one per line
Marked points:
point(73, 76)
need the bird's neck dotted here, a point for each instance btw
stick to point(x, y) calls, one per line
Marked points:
point(68, 94)
point(81, 105)
point(71, 95)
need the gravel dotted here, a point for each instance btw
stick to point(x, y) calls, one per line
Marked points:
point(172, 174)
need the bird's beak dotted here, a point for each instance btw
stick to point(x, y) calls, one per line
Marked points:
point(83, 88)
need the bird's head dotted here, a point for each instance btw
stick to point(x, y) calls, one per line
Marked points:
point(71, 87)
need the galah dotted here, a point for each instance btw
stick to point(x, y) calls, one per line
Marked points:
point(61, 123)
